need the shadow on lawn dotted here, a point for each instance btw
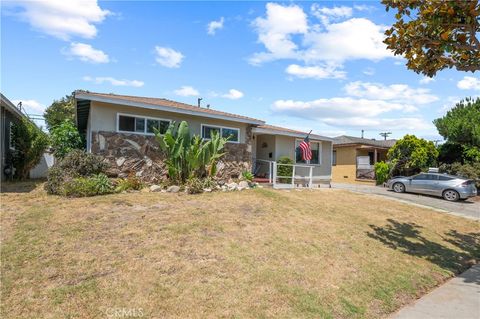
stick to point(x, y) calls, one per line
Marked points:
point(407, 238)
point(20, 186)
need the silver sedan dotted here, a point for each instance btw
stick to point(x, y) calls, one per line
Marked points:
point(451, 188)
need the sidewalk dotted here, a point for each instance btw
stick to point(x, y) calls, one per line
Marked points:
point(459, 298)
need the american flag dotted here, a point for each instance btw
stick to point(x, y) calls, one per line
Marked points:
point(306, 149)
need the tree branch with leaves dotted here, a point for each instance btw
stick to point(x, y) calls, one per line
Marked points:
point(435, 34)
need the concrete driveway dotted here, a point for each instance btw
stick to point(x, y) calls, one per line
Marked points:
point(469, 209)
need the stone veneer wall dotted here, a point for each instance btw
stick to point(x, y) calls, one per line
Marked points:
point(140, 155)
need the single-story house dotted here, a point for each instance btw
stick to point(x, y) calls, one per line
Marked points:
point(120, 128)
point(354, 158)
point(9, 115)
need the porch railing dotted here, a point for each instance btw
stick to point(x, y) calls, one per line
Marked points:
point(298, 176)
point(263, 167)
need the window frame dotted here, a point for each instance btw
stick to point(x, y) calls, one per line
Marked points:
point(145, 118)
point(221, 132)
point(320, 152)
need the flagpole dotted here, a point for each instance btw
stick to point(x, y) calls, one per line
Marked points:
point(308, 162)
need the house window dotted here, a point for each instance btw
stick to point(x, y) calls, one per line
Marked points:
point(141, 125)
point(227, 132)
point(334, 158)
point(316, 149)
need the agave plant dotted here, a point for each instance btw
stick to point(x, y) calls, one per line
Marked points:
point(188, 157)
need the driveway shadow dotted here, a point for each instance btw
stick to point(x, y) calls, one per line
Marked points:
point(407, 238)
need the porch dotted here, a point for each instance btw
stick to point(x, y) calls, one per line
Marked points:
point(365, 159)
point(269, 144)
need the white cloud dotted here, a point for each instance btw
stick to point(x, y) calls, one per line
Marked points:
point(315, 72)
point(426, 80)
point(168, 57)
point(31, 106)
point(396, 92)
point(469, 83)
point(356, 38)
point(276, 29)
point(286, 34)
point(86, 53)
point(403, 123)
point(113, 81)
point(326, 14)
point(63, 19)
point(187, 91)
point(233, 94)
point(370, 105)
point(213, 26)
point(338, 107)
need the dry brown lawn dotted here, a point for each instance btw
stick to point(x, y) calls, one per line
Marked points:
point(250, 254)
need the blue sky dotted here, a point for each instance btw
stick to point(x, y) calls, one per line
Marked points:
point(304, 65)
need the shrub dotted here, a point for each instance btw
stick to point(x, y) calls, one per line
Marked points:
point(88, 186)
point(132, 182)
point(248, 176)
point(209, 182)
point(187, 156)
point(80, 163)
point(74, 165)
point(283, 170)
point(30, 142)
point(382, 172)
point(194, 185)
point(65, 138)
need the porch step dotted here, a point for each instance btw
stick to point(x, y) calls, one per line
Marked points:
point(261, 180)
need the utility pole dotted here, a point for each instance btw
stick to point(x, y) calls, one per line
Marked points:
point(385, 135)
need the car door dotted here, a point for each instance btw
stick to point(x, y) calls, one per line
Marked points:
point(431, 184)
point(418, 184)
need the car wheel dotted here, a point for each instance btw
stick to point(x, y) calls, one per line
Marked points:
point(398, 188)
point(451, 195)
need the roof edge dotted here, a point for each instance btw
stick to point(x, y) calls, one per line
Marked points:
point(115, 100)
point(292, 134)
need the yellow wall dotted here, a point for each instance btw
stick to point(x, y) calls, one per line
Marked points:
point(345, 171)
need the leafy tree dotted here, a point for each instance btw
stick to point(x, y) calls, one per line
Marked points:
point(188, 157)
point(65, 138)
point(435, 34)
point(30, 142)
point(461, 128)
point(411, 155)
point(60, 111)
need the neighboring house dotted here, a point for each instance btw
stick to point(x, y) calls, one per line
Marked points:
point(354, 158)
point(120, 128)
point(10, 114)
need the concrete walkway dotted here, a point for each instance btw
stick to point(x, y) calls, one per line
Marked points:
point(468, 209)
point(459, 298)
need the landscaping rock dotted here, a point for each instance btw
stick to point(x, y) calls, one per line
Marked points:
point(120, 161)
point(173, 189)
point(243, 185)
point(207, 190)
point(232, 186)
point(155, 188)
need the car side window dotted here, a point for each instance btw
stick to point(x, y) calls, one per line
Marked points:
point(432, 177)
point(444, 178)
point(420, 177)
